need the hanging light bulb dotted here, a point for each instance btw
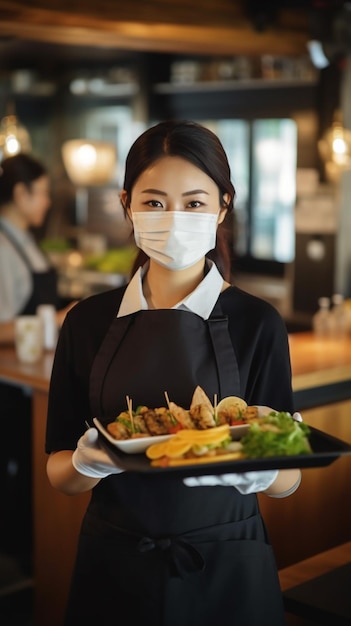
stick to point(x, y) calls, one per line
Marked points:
point(14, 137)
point(335, 145)
point(89, 162)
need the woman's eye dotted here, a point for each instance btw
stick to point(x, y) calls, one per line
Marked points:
point(195, 204)
point(154, 204)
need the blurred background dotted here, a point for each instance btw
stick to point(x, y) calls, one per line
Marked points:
point(272, 79)
point(79, 81)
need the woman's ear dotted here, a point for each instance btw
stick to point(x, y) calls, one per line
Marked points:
point(223, 209)
point(123, 196)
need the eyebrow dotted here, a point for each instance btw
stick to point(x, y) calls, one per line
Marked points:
point(186, 193)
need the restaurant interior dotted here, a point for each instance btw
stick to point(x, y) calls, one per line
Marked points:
point(79, 81)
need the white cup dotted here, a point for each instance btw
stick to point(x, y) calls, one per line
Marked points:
point(29, 340)
point(47, 314)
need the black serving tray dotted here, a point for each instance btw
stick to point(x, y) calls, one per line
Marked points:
point(326, 449)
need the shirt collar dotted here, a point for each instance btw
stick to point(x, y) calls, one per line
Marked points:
point(201, 301)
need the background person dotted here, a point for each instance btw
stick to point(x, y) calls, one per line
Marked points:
point(153, 550)
point(26, 280)
point(26, 277)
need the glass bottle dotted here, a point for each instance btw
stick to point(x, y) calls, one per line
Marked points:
point(321, 320)
point(339, 316)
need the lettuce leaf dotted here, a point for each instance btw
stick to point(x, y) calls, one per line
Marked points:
point(276, 434)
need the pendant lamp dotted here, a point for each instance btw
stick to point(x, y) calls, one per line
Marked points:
point(335, 145)
point(88, 163)
point(14, 137)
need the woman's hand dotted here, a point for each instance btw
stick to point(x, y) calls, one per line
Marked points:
point(90, 459)
point(79, 471)
point(277, 484)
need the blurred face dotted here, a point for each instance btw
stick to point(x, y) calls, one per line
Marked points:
point(174, 184)
point(34, 203)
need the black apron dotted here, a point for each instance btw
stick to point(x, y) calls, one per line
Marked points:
point(15, 452)
point(153, 551)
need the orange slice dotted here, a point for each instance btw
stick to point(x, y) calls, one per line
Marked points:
point(202, 437)
point(172, 448)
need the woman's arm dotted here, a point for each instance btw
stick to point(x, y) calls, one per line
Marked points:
point(61, 313)
point(79, 471)
point(63, 476)
point(285, 484)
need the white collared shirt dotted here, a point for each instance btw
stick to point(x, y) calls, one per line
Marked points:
point(201, 301)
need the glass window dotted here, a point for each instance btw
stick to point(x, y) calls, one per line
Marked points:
point(235, 137)
point(274, 147)
point(262, 156)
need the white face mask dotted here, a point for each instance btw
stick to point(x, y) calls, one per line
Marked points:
point(175, 239)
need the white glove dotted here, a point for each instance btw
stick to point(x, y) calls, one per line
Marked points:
point(297, 417)
point(90, 459)
point(247, 482)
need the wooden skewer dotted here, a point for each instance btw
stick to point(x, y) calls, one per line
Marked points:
point(167, 398)
point(129, 405)
point(215, 407)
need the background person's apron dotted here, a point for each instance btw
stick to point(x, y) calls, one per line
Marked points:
point(152, 551)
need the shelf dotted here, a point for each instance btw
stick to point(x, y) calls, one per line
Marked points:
point(232, 85)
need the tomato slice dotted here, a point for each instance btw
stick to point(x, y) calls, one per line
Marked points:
point(175, 429)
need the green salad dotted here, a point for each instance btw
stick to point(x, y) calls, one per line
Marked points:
point(276, 434)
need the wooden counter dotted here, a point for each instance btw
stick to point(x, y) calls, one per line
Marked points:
point(317, 362)
point(317, 517)
point(321, 370)
point(56, 517)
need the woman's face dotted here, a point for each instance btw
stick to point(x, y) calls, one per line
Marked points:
point(174, 184)
point(33, 203)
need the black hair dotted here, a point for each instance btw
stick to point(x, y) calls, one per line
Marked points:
point(201, 147)
point(20, 168)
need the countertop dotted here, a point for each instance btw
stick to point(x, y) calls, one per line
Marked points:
point(319, 361)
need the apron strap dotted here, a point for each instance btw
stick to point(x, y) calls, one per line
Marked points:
point(108, 348)
point(225, 358)
point(227, 365)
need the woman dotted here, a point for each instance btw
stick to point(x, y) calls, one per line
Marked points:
point(26, 277)
point(26, 281)
point(153, 550)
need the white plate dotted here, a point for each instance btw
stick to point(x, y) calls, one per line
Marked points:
point(140, 444)
point(130, 446)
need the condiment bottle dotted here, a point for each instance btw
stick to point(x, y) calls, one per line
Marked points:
point(339, 316)
point(321, 321)
point(47, 314)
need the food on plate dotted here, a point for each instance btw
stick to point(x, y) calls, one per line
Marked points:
point(194, 446)
point(275, 434)
point(202, 415)
point(143, 422)
point(231, 409)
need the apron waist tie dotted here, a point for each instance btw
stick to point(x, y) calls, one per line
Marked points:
point(183, 558)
